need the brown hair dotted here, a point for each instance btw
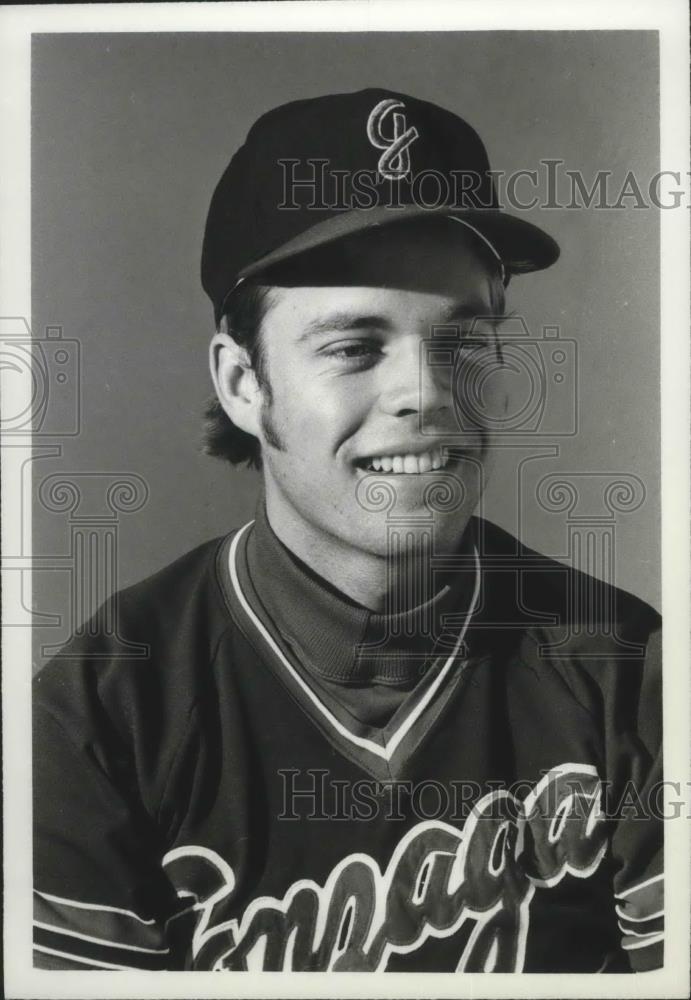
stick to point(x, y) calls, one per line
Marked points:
point(242, 319)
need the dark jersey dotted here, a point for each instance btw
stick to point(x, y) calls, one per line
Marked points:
point(199, 804)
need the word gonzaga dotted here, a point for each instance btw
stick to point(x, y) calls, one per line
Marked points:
point(438, 878)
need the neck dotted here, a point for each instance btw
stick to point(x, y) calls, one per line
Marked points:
point(383, 583)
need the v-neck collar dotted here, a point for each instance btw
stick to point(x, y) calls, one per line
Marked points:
point(381, 752)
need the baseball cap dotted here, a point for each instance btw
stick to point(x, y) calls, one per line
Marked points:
point(316, 170)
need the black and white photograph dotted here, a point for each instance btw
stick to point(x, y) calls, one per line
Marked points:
point(345, 453)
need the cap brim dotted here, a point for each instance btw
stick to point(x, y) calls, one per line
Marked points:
point(521, 246)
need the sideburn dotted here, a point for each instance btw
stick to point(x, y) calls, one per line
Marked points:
point(272, 435)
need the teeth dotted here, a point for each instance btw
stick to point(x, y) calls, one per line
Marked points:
point(437, 458)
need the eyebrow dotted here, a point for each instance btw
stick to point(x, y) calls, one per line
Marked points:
point(345, 322)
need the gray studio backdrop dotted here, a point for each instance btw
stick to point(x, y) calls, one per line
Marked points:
point(130, 133)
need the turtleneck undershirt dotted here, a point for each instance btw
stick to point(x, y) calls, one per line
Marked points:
point(356, 659)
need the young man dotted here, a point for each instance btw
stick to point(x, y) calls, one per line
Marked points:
point(371, 730)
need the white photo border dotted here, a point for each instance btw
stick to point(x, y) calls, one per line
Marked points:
point(670, 19)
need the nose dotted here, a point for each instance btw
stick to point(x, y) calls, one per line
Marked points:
point(414, 382)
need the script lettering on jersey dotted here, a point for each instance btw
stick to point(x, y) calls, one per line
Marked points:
point(438, 878)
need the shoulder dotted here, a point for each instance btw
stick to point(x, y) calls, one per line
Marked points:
point(581, 638)
point(144, 657)
point(544, 589)
point(185, 592)
point(603, 642)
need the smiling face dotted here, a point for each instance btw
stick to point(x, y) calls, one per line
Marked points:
point(366, 394)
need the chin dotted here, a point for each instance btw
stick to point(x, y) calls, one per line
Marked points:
point(417, 533)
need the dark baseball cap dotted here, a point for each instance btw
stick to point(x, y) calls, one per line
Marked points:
point(317, 170)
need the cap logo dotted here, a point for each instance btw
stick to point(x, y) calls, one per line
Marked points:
point(394, 163)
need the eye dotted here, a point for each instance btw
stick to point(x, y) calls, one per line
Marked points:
point(353, 351)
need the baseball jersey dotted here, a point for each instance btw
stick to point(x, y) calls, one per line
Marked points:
point(204, 801)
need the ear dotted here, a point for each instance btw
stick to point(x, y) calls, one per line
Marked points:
point(235, 382)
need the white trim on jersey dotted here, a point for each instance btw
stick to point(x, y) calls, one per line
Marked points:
point(655, 939)
point(637, 920)
point(637, 934)
point(387, 751)
point(92, 906)
point(55, 928)
point(86, 961)
point(636, 888)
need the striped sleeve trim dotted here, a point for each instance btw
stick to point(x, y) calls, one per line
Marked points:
point(641, 903)
point(643, 930)
point(109, 923)
point(637, 920)
point(97, 940)
point(629, 944)
point(80, 961)
point(96, 935)
point(641, 920)
point(647, 883)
